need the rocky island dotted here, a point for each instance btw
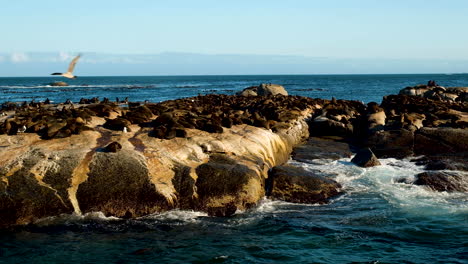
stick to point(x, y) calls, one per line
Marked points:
point(216, 153)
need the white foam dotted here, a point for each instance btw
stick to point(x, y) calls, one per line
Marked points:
point(180, 215)
point(74, 218)
point(384, 180)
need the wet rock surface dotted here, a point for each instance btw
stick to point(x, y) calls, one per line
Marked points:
point(444, 181)
point(294, 184)
point(456, 161)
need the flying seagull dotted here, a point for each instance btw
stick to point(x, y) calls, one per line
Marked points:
point(69, 73)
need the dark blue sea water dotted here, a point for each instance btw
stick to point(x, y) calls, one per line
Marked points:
point(160, 88)
point(377, 220)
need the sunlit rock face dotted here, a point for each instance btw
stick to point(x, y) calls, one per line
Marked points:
point(129, 171)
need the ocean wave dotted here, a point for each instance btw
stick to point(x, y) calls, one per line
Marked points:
point(392, 181)
point(178, 215)
point(73, 218)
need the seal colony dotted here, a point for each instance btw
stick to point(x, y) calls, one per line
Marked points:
point(213, 153)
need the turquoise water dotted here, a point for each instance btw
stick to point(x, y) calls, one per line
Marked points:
point(160, 88)
point(377, 220)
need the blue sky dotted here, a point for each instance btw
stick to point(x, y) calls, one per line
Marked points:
point(412, 31)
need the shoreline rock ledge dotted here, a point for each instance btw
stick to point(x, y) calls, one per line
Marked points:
point(216, 159)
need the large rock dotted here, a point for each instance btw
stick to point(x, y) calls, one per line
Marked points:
point(271, 89)
point(452, 161)
point(140, 174)
point(296, 185)
point(391, 143)
point(249, 91)
point(264, 90)
point(449, 181)
point(434, 141)
point(365, 158)
point(321, 148)
point(437, 93)
point(225, 184)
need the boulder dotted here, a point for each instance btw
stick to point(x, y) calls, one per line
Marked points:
point(451, 161)
point(225, 184)
point(444, 181)
point(434, 141)
point(271, 89)
point(365, 158)
point(249, 91)
point(294, 184)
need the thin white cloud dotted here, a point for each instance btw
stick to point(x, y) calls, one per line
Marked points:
point(17, 57)
point(2, 59)
point(64, 56)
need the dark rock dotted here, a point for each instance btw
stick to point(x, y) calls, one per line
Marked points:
point(365, 158)
point(391, 143)
point(113, 147)
point(321, 148)
point(222, 211)
point(441, 181)
point(294, 184)
point(435, 141)
point(453, 161)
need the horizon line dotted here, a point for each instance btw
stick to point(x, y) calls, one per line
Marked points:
point(274, 74)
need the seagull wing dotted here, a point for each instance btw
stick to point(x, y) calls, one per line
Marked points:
point(73, 63)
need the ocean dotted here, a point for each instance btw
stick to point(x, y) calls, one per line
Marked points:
point(365, 88)
point(376, 220)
